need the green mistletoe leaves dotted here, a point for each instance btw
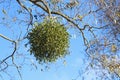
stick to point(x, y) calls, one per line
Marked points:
point(48, 41)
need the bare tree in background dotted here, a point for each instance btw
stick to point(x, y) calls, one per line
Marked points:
point(106, 48)
point(96, 21)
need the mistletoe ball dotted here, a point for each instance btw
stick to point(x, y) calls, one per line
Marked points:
point(48, 41)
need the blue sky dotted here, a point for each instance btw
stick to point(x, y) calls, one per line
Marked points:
point(67, 68)
point(71, 69)
point(59, 71)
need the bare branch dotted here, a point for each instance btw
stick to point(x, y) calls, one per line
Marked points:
point(6, 38)
point(29, 11)
point(48, 9)
point(4, 67)
point(17, 67)
point(15, 48)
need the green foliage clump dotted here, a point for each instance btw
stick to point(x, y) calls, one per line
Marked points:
point(48, 41)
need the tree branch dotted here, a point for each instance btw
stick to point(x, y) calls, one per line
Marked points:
point(28, 10)
point(15, 48)
point(65, 17)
